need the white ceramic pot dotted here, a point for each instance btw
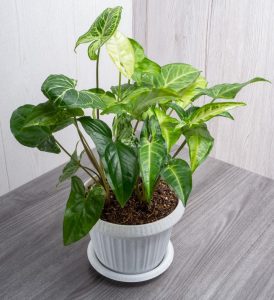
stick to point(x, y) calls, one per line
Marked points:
point(133, 249)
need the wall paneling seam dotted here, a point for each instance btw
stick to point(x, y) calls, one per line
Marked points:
point(208, 28)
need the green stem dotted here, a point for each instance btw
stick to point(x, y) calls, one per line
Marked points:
point(92, 158)
point(80, 165)
point(97, 78)
point(136, 125)
point(119, 86)
point(179, 149)
point(139, 190)
point(87, 148)
point(170, 112)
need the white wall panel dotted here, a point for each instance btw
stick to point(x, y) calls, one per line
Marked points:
point(231, 41)
point(37, 38)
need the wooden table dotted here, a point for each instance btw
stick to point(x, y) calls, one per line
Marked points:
point(224, 245)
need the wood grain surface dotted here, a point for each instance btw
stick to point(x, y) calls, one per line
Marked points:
point(224, 244)
point(229, 41)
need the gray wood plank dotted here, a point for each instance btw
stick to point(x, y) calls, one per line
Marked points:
point(224, 244)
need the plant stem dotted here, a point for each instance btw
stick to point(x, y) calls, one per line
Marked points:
point(80, 165)
point(119, 87)
point(97, 79)
point(93, 159)
point(179, 149)
point(170, 112)
point(136, 125)
point(87, 148)
point(138, 190)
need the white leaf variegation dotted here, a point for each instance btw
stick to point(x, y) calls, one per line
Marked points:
point(178, 76)
point(121, 52)
point(60, 89)
point(211, 110)
point(101, 30)
point(170, 133)
point(178, 176)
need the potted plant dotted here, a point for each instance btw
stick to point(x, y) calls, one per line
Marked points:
point(138, 186)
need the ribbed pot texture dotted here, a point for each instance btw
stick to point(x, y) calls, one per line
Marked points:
point(133, 249)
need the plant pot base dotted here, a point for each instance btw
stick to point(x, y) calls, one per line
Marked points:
point(100, 268)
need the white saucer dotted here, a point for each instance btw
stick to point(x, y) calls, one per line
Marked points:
point(100, 268)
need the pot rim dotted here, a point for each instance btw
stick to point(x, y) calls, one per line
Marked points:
point(148, 229)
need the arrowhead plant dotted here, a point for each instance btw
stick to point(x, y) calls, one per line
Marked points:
point(159, 100)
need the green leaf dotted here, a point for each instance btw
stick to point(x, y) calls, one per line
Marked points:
point(189, 93)
point(121, 165)
point(48, 114)
point(147, 99)
point(61, 91)
point(227, 90)
point(101, 30)
point(72, 166)
point(125, 90)
point(99, 132)
point(93, 50)
point(170, 133)
point(121, 52)
point(119, 160)
point(139, 52)
point(211, 110)
point(177, 76)
point(82, 211)
point(199, 142)
point(226, 114)
point(140, 100)
point(107, 97)
point(177, 175)
point(123, 130)
point(35, 136)
point(145, 69)
point(179, 110)
point(152, 154)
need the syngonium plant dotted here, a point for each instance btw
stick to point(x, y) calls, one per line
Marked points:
point(127, 162)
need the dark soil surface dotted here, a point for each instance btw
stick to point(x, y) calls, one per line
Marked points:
point(164, 201)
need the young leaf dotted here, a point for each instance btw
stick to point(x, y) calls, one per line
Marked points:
point(71, 167)
point(121, 166)
point(189, 93)
point(82, 211)
point(152, 154)
point(101, 30)
point(199, 142)
point(99, 132)
point(145, 100)
point(61, 91)
point(140, 100)
point(34, 136)
point(121, 52)
point(177, 76)
point(210, 111)
point(177, 174)
point(170, 133)
point(227, 90)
